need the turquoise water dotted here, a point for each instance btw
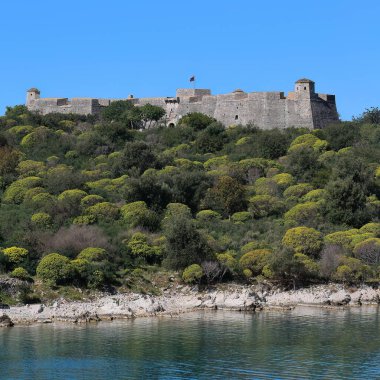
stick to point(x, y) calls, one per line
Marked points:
point(306, 343)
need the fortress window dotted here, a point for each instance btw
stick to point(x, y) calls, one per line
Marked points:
point(304, 88)
point(236, 117)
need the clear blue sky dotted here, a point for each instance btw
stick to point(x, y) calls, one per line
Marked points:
point(149, 48)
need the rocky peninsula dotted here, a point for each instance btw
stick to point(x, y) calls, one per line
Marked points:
point(182, 299)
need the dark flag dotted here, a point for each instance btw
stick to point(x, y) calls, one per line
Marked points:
point(192, 79)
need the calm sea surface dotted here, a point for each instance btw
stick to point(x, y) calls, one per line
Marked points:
point(306, 343)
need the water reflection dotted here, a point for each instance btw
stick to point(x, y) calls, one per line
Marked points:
point(305, 343)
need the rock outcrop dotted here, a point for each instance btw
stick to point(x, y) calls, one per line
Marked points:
point(181, 299)
point(5, 321)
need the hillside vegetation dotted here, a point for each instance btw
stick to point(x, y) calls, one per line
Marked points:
point(121, 201)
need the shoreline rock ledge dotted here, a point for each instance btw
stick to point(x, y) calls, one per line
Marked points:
point(5, 321)
point(181, 299)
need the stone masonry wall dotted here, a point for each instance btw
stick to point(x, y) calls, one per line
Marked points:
point(266, 110)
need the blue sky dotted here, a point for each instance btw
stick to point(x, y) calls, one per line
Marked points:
point(149, 48)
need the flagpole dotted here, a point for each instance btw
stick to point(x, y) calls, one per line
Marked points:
point(192, 79)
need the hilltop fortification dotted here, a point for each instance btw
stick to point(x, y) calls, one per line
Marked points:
point(302, 107)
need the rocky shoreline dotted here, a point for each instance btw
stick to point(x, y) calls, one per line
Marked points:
point(183, 299)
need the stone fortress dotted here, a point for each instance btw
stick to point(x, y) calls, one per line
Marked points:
point(302, 107)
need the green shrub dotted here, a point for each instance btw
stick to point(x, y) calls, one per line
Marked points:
point(241, 217)
point(314, 195)
point(140, 247)
point(81, 268)
point(265, 205)
point(247, 273)
point(54, 269)
point(342, 238)
point(303, 240)
point(253, 245)
point(84, 220)
point(30, 168)
point(297, 191)
point(104, 211)
point(192, 274)
point(41, 219)
point(15, 255)
point(20, 273)
point(208, 215)
point(373, 228)
point(16, 191)
point(175, 209)
point(352, 270)
point(302, 214)
point(73, 196)
point(308, 140)
point(137, 214)
point(43, 202)
point(92, 254)
point(255, 260)
point(227, 261)
point(91, 200)
point(266, 186)
point(283, 180)
point(216, 163)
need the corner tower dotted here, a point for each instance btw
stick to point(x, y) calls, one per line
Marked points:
point(305, 87)
point(32, 95)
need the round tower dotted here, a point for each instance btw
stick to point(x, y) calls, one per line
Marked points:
point(31, 95)
point(305, 86)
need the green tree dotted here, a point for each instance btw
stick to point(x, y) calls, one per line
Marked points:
point(226, 197)
point(116, 109)
point(196, 121)
point(136, 154)
point(303, 163)
point(212, 139)
point(346, 192)
point(184, 244)
point(370, 115)
point(151, 115)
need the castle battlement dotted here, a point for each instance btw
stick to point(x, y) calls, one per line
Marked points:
point(302, 107)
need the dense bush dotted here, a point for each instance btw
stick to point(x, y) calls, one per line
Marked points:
point(54, 269)
point(193, 273)
point(303, 240)
point(15, 255)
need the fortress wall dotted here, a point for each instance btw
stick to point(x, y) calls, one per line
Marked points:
point(185, 92)
point(266, 110)
point(82, 106)
point(298, 113)
point(85, 105)
point(324, 112)
point(206, 106)
point(153, 101)
point(104, 102)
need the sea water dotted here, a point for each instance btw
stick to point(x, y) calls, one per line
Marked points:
point(304, 343)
